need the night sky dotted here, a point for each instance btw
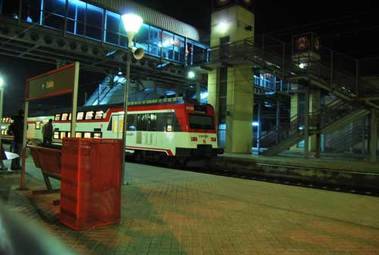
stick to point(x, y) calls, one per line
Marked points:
point(351, 27)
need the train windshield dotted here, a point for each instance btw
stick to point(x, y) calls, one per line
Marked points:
point(200, 121)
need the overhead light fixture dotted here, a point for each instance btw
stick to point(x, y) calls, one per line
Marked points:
point(132, 22)
point(2, 82)
point(302, 65)
point(191, 75)
point(223, 27)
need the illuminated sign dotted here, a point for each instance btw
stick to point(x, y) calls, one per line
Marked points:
point(54, 83)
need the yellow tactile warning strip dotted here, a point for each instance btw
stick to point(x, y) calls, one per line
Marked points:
point(169, 211)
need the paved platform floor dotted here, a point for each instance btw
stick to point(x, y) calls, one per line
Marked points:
point(169, 211)
point(347, 164)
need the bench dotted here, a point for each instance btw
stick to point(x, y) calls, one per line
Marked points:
point(48, 159)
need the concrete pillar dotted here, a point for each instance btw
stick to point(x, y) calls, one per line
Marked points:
point(373, 138)
point(232, 84)
point(213, 90)
point(314, 108)
point(239, 115)
point(306, 123)
point(259, 127)
point(277, 119)
point(198, 91)
point(294, 111)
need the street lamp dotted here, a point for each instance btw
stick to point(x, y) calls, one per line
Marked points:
point(132, 24)
point(2, 84)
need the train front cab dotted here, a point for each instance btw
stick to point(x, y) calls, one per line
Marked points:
point(198, 138)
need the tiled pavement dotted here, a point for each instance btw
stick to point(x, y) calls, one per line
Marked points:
point(169, 211)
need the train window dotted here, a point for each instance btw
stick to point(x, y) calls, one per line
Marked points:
point(96, 135)
point(167, 122)
point(142, 122)
point(56, 135)
point(78, 135)
point(80, 116)
point(109, 128)
point(89, 115)
point(68, 134)
point(87, 135)
point(62, 135)
point(197, 121)
point(99, 115)
point(69, 116)
point(38, 125)
point(64, 116)
point(152, 122)
point(57, 117)
point(132, 122)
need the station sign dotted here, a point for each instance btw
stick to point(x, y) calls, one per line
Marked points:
point(54, 83)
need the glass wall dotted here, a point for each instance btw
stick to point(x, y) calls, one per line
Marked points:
point(84, 19)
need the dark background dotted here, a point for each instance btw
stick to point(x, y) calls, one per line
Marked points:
point(351, 27)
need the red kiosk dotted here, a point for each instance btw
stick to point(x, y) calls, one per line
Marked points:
point(89, 169)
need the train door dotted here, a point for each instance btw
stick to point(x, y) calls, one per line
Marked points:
point(117, 125)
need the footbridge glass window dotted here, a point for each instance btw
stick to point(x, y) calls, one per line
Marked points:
point(85, 19)
point(179, 48)
point(76, 17)
point(94, 21)
point(155, 41)
point(112, 27)
point(142, 38)
point(54, 13)
point(30, 9)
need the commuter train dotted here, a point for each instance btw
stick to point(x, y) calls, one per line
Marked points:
point(168, 129)
point(4, 124)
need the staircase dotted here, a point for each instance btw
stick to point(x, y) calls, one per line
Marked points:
point(322, 73)
point(100, 93)
point(110, 91)
point(348, 139)
point(331, 117)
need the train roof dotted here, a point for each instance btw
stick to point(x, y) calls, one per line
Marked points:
point(155, 102)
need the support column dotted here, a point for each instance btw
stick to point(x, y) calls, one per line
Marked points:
point(294, 111)
point(306, 123)
point(239, 114)
point(363, 136)
point(314, 108)
point(259, 131)
point(198, 91)
point(230, 88)
point(277, 120)
point(373, 138)
point(213, 91)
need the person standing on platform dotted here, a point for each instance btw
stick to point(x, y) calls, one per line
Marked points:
point(3, 156)
point(47, 131)
point(17, 130)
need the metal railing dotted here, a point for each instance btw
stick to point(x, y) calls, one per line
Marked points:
point(317, 120)
point(337, 71)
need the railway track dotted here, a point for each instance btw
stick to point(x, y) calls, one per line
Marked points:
point(279, 173)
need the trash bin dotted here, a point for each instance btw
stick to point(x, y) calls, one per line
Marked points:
point(90, 182)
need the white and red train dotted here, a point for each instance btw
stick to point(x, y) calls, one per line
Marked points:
point(180, 130)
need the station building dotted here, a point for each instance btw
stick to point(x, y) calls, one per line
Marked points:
point(270, 96)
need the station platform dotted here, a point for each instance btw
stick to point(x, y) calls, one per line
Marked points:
point(168, 211)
